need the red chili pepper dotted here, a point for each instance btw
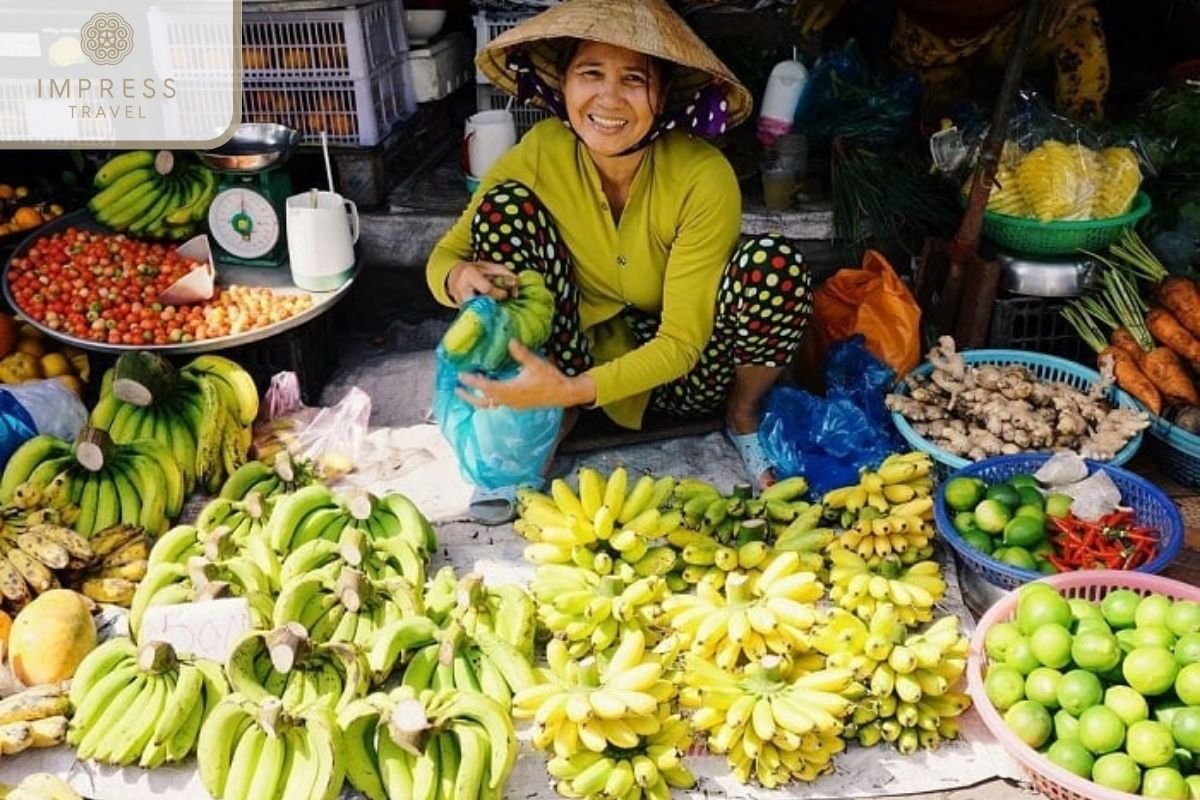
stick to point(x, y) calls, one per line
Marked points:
point(1060, 564)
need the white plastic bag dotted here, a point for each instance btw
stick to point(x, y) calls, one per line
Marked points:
point(55, 409)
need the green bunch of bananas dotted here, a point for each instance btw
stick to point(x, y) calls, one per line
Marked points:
point(142, 705)
point(315, 512)
point(776, 721)
point(202, 413)
point(437, 745)
point(349, 608)
point(527, 317)
point(248, 750)
point(283, 475)
point(285, 664)
point(155, 194)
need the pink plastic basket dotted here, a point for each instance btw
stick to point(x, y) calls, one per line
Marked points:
point(1048, 778)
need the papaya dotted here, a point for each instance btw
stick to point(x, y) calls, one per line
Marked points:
point(50, 637)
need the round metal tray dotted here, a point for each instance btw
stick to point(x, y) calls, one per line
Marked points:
point(278, 279)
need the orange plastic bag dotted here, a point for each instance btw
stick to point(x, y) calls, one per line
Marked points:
point(872, 301)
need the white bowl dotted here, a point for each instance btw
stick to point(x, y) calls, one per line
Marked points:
point(423, 24)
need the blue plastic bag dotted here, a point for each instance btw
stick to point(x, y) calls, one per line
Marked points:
point(829, 439)
point(496, 447)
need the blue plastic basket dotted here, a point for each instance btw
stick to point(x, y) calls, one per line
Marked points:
point(1177, 451)
point(1151, 506)
point(1045, 368)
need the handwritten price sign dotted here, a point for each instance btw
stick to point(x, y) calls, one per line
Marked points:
point(209, 629)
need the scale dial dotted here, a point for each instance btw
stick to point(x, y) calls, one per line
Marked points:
point(244, 223)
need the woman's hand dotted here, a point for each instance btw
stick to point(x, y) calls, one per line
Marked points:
point(539, 384)
point(469, 279)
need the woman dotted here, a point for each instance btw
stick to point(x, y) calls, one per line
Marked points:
point(634, 223)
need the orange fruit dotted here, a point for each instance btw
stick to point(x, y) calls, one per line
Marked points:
point(27, 217)
point(55, 364)
point(34, 347)
point(6, 192)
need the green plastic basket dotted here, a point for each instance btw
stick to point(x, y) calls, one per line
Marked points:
point(1060, 238)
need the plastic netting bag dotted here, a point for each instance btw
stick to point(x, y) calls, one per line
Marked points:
point(829, 439)
point(496, 447)
point(1053, 169)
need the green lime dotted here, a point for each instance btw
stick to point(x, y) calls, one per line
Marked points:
point(1042, 549)
point(1127, 639)
point(1185, 727)
point(962, 494)
point(1051, 643)
point(1066, 727)
point(1130, 706)
point(1023, 481)
point(1045, 567)
point(1058, 505)
point(1187, 648)
point(1038, 608)
point(1071, 756)
point(1030, 496)
point(1166, 708)
point(1149, 743)
point(1164, 782)
point(1020, 655)
point(998, 639)
point(964, 521)
point(1005, 686)
point(1079, 690)
point(1030, 722)
point(1187, 684)
point(1193, 784)
point(1034, 513)
point(1117, 771)
point(991, 516)
point(1041, 685)
point(1023, 532)
point(1119, 607)
point(1004, 493)
point(1150, 671)
point(1152, 610)
point(998, 553)
point(1101, 730)
point(1184, 617)
point(1084, 609)
point(1033, 587)
point(979, 540)
point(1154, 636)
point(1018, 557)
point(1095, 650)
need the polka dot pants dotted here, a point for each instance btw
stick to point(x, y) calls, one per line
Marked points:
point(763, 302)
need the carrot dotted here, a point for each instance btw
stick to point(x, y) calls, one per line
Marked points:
point(1122, 338)
point(1166, 327)
point(1131, 378)
point(1182, 297)
point(1163, 367)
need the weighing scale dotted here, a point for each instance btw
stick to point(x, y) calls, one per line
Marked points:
point(246, 217)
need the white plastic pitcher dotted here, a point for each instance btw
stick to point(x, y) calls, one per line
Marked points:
point(782, 95)
point(487, 136)
point(321, 240)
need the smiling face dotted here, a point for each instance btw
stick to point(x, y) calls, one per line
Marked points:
point(612, 96)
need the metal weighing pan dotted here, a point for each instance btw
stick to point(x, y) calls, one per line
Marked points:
point(278, 279)
point(255, 146)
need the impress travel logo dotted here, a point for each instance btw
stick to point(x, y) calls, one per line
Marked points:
point(157, 73)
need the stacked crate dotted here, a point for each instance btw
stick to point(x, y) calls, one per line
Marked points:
point(488, 25)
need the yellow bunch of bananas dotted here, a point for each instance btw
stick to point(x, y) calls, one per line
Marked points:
point(597, 703)
point(592, 612)
point(912, 701)
point(649, 772)
point(857, 587)
point(751, 616)
point(775, 721)
point(894, 499)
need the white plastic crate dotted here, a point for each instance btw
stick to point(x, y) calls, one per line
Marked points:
point(338, 43)
point(488, 97)
point(489, 25)
point(442, 67)
point(353, 111)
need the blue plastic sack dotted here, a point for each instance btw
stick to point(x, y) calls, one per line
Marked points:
point(830, 439)
point(496, 447)
point(16, 426)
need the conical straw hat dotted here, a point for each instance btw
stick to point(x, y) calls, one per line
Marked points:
point(646, 26)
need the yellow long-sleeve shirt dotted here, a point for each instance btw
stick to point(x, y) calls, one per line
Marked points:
point(666, 256)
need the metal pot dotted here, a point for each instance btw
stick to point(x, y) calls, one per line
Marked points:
point(1045, 276)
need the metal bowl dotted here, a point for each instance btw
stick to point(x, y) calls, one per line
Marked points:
point(1045, 276)
point(255, 146)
